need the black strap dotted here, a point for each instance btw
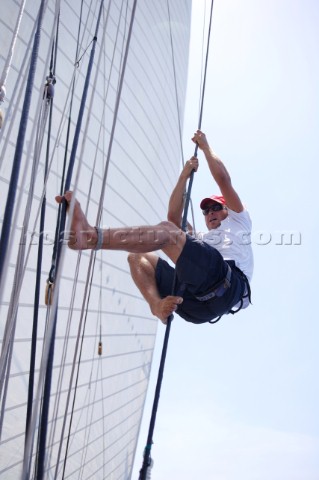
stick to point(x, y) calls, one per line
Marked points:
point(248, 294)
point(218, 289)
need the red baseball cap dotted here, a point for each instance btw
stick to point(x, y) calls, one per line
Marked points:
point(214, 198)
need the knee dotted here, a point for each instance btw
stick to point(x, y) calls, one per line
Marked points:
point(134, 258)
point(138, 261)
point(168, 230)
point(169, 233)
point(169, 226)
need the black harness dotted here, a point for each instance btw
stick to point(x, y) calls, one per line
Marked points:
point(219, 289)
point(247, 291)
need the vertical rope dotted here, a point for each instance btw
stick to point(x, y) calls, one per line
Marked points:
point(90, 268)
point(12, 313)
point(48, 376)
point(5, 360)
point(184, 222)
point(177, 103)
point(49, 99)
point(147, 451)
point(83, 309)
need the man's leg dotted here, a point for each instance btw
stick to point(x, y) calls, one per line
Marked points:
point(164, 236)
point(143, 273)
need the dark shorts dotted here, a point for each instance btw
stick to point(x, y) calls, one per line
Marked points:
point(199, 269)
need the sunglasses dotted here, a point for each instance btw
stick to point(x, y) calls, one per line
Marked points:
point(216, 207)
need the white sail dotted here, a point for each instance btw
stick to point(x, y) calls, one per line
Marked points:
point(126, 163)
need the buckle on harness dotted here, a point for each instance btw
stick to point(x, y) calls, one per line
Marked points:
point(220, 290)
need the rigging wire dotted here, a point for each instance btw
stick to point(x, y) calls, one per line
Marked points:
point(202, 61)
point(88, 425)
point(77, 359)
point(48, 347)
point(19, 272)
point(50, 285)
point(147, 461)
point(56, 144)
point(100, 363)
point(84, 308)
point(61, 209)
point(48, 376)
point(7, 219)
point(177, 102)
point(5, 361)
point(49, 96)
point(16, 94)
point(7, 65)
point(116, 109)
point(5, 344)
point(14, 300)
point(92, 259)
point(111, 138)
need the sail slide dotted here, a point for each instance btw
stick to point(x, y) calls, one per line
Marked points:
point(102, 84)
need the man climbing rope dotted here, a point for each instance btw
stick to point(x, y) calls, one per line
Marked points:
point(212, 272)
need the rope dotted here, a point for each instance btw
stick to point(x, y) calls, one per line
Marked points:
point(116, 109)
point(6, 227)
point(49, 100)
point(5, 361)
point(92, 258)
point(90, 268)
point(147, 461)
point(81, 327)
point(50, 280)
point(89, 422)
point(45, 357)
point(11, 319)
point(62, 210)
point(48, 376)
point(68, 326)
point(16, 93)
point(121, 82)
point(7, 65)
point(41, 374)
point(45, 103)
point(8, 62)
point(177, 103)
point(14, 309)
point(45, 348)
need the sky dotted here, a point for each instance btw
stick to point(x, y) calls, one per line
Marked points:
point(240, 399)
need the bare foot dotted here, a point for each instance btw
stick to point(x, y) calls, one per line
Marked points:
point(164, 307)
point(82, 235)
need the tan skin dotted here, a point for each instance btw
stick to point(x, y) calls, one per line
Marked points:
point(214, 219)
point(169, 236)
point(171, 241)
point(219, 172)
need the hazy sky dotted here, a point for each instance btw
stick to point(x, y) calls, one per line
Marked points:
point(240, 398)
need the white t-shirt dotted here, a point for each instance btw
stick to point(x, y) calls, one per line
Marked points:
point(232, 240)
